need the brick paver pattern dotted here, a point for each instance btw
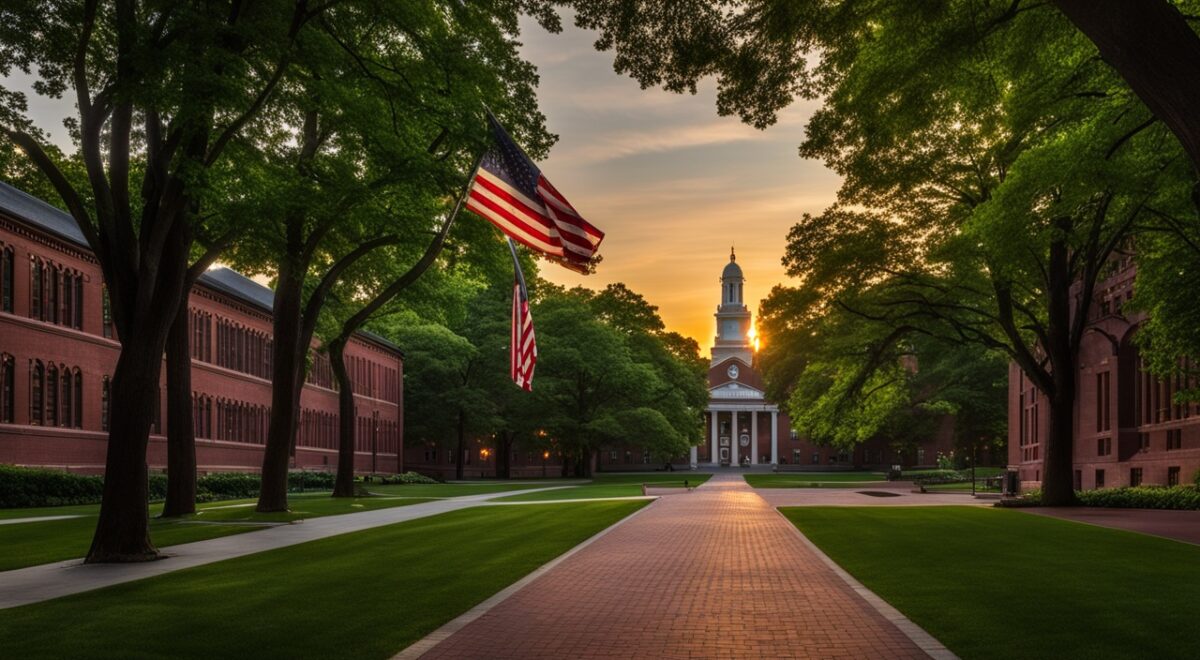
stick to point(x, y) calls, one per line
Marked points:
point(711, 573)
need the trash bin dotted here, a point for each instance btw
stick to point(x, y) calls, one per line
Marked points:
point(1012, 483)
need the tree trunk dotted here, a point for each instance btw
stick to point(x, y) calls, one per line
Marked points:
point(1153, 48)
point(181, 432)
point(343, 486)
point(1058, 482)
point(285, 383)
point(462, 444)
point(504, 444)
point(123, 530)
point(145, 314)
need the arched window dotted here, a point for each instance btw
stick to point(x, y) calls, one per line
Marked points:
point(51, 395)
point(106, 315)
point(36, 274)
point(78, 398)
point(7, 382)
point(105, 397)
point(6, 278)
point(78, 320)
point(68, 392)
point(37, 382)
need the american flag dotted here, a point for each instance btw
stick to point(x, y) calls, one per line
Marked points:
point(524, 346)
point(510, 192)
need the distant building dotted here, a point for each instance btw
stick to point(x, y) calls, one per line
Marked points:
point(58, 348)
point(744, 427)
point(1128, 429)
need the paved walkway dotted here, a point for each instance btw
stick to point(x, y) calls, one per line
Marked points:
point(712, 573)
point(37, 583)
point(876, 495)
point(1178, 525)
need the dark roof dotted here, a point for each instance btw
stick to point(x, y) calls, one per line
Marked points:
point(48, 218)
point(55, 221)
point(229, 281)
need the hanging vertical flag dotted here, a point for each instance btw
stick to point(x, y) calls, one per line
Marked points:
point(523, 345)
point(510, 191)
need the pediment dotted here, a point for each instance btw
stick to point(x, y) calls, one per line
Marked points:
point(735, 391)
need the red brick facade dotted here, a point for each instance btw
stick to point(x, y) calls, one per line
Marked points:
point(1128, 430)
point(57, 352)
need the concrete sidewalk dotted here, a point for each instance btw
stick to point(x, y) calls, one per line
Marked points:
point(38, 583)
point(712, 573)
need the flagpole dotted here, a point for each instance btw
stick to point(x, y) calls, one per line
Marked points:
point(462, 195)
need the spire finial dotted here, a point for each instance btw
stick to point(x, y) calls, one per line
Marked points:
point(732, 256)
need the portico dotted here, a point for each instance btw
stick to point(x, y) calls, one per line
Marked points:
point(734, 434)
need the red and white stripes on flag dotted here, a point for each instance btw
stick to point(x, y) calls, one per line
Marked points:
point(523, 344)
point(510, 192)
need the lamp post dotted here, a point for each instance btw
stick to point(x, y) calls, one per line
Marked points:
point(545, 455)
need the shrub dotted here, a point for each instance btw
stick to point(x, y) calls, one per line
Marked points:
point(22, 487)
point(407, 478)
point(1143, 497)
point(26, 487)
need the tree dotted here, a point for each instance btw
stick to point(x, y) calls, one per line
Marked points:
point(162, 91)
point(984, 194)
point(382, 133)
point(760, 50)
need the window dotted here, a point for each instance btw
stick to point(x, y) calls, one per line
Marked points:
point(105, 396)
point(106, 315)
point(1135, 476)
point(1173, 475)
point(1174, 439)
point(78, 398)
point(37, 381)
point(7, 380)
point(816, 458)
point(796, 457)
point(1078, 479)
point(1143, 442)
point(1099, 478)
point(1103, 446)
point(1103, 416)
point(36, 273)
point(68, 393)
point(646, 457)
point(6, 278)
point(612, 456)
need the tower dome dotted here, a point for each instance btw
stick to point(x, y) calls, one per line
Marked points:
point(732, 270)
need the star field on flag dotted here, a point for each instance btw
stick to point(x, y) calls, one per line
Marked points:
point(510, 192)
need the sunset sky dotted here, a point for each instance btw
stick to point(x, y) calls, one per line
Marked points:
point(672, 184)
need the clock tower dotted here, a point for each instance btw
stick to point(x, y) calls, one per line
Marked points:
point(733, 317)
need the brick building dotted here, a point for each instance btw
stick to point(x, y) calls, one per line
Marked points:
point(1128, 429)
point(58, 349)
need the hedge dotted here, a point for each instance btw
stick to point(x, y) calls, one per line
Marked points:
point(1126, 497)
point(22, 487)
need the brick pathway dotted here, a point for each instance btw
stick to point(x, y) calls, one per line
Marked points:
point(712, 573)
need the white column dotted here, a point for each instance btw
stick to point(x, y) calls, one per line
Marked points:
point(714, 418)
point(774, 437)
point(693, 458)
point(754, 438)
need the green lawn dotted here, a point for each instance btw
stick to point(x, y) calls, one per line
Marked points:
point(813, 479)
point(454, 489)
point(612, 485)
point(362, 595)
point(1000, 583)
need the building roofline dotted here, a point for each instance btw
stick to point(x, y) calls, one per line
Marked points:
point(52, 220)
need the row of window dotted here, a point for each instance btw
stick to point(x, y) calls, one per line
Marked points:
point(55, 395)
point(373, 379)
point(55, 293)
point(244, 349)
